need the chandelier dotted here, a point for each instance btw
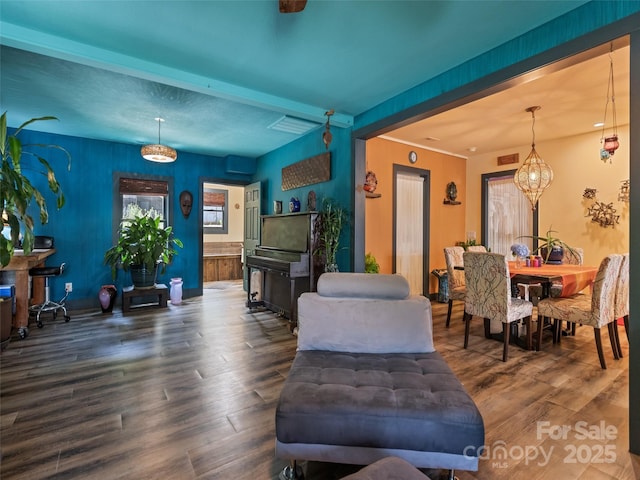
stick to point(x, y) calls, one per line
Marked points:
point(610, 143)
point(158, 152)
point(534, 176)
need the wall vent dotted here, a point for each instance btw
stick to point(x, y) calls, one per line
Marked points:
point(293, 125)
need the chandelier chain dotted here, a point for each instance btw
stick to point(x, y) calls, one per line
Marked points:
point(611, 95)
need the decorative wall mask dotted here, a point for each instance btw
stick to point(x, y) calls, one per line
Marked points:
point(186, 203)
point(452, 194)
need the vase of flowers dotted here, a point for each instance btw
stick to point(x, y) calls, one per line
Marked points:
point(520, 251)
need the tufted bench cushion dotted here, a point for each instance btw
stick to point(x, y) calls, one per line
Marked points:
point(399, 402)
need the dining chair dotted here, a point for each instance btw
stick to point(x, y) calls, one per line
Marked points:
point(575, 257)
point(453, 258)
point(476, 248)
point(488, 286)
point(593, 309)
point(621, 307)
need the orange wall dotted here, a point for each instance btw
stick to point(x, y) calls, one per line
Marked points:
point(447, 222)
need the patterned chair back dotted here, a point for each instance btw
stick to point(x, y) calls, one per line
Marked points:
point(604, 289)
point(621, 307)
point(477, 248)
point(453, 257)
point(573, 258)
point(488, 285)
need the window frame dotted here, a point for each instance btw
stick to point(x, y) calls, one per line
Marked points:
point(225, 211)
point(117, 198)
point(484, 220)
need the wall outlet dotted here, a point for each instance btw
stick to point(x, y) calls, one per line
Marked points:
point(68, 287)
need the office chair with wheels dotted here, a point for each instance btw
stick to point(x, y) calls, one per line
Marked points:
point(48, 305)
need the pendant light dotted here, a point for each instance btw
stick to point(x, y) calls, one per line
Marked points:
point(158, 152)
point(534, 176)
point(326, 135)
point(609, 143)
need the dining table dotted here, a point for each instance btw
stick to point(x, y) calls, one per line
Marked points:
point(556, 280)
point(562, 280)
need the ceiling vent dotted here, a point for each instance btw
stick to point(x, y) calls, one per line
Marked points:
point(293, 125)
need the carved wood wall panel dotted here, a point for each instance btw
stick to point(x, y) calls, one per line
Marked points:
point(307, 172)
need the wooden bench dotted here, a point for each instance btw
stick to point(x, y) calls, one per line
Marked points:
point(160, 291)
point(222, 261)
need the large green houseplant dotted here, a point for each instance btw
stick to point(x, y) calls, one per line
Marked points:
point(17, 191)
point(142, 245)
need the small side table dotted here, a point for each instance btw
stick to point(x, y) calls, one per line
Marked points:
point(160, 291)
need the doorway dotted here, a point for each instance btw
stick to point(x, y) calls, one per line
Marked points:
point(222, 219)
point(411, 226)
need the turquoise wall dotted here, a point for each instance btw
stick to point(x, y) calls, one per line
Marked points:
point(584, 19)
point(83, 227)
point(339, 188)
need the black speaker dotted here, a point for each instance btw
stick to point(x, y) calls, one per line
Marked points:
point(42, 241)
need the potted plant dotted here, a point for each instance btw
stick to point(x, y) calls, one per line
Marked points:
point(328, 228)
point(370, 264)
point(143, 244)
point(18, 193)
point(551, 248)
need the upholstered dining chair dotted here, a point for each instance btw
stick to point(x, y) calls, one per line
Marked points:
point(488, 286)
point(453, 258)
point(594, 309)
point(621, 307)
point(476, 248)
point(575, 257)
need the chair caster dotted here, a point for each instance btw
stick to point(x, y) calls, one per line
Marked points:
point(67, 318)
point(39, 324)
point(291, 472)
point(23, 332)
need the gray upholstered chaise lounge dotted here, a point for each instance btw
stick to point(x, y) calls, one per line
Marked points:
point(366, 382)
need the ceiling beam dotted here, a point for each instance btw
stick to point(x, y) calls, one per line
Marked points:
point(42, 43)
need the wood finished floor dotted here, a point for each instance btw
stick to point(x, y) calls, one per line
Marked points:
point(189, 392)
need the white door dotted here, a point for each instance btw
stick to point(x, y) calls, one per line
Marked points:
point(251, 225)
point(410, 229)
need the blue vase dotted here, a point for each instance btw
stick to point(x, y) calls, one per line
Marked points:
point(294, 205)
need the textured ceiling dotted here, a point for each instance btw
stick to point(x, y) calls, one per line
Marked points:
point(221, 72)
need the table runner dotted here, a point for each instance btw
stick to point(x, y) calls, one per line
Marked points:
point(572, 278)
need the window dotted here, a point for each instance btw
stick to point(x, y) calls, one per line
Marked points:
point(215, 210)
point(143, 197)
point(139, 195)
point(506, 213)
